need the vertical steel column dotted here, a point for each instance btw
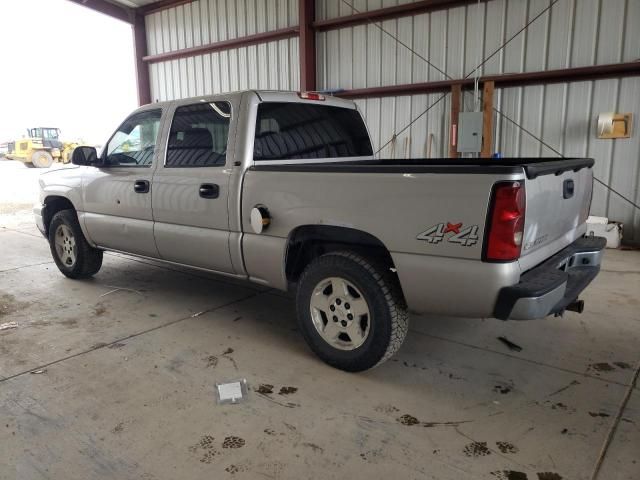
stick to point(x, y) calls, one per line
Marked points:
point(307, 11)
point(140, 51)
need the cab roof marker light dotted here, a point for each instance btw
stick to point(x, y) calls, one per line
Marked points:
point(311, 96)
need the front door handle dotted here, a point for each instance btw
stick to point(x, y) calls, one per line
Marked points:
point(141, 186)
point(209, 190)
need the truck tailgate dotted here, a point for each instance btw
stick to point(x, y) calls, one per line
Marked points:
point(558, 196)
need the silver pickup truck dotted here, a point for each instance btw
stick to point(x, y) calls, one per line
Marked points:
point(283, 189)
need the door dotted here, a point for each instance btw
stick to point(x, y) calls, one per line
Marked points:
point(117, 195)
point(190, 190)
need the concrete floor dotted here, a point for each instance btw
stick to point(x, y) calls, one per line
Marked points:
point(126, 383)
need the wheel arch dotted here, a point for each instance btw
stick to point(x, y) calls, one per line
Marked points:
point(52, 205)
point(308, 242)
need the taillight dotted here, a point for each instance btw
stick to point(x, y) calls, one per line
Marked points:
point(311, 96)
point(503, 241)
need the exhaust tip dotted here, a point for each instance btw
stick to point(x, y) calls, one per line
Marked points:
point(576, 306)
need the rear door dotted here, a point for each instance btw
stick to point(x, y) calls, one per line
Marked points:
point(556, 211)
point(191, 188)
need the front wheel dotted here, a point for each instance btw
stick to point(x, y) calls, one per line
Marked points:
point(351, 311)
point(72, 253)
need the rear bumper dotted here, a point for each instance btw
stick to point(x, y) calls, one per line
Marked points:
point(553, 285)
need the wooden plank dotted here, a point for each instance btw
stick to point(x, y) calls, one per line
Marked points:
point(487, 119)
point(456, 94)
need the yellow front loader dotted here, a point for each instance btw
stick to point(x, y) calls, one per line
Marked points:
point(41, 148)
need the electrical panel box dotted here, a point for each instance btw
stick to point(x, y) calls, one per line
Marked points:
point(469, 132)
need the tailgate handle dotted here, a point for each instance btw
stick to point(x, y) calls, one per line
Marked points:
point(568, 188)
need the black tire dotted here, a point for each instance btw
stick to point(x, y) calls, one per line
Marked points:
point(88, 260)
point(379, 287)
point(41, 159)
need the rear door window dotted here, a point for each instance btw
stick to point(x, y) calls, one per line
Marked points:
point(286, 131)
point(199, 136)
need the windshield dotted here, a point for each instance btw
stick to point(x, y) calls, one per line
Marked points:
point(50, 133)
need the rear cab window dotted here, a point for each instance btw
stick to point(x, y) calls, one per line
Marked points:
point(299, 131)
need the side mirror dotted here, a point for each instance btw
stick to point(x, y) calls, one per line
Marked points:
point(84, 156)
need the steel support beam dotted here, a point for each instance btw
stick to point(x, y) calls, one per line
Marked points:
point(161, 5)
point(306, 9)
point(142, 69)
point(578, 74)
point(288, 32)
point(404, 10)
point(119, 12)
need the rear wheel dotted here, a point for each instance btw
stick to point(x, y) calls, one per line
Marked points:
point(72, 253)
point(41, 159)
point(351, 311)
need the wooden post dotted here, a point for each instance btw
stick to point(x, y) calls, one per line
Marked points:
point(456, 93)
point(487, 119)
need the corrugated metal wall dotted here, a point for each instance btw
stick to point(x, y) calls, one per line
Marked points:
point(573, 33)
point(273, 65)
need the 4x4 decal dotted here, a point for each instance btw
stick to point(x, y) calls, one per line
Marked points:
point(466, 236)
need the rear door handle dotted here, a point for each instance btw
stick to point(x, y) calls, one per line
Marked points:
point(141, 186)
point(209, 190)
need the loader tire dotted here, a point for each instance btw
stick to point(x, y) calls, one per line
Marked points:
point(41, 159)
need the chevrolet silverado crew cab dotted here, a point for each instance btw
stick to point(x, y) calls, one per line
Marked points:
point(283, 189)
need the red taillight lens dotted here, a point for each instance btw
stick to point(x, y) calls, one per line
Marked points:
point(506, 222)
point(311, 96)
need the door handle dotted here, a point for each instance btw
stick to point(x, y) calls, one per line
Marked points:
point(209, 190)
point(141, 186)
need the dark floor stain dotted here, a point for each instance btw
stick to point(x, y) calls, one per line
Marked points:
point(70, 323)
point(502, 389)
point(211, 361)
point(564, 431)
point(599, 414)
point(509, 475)
point(549, 476)
point(560, 390)
point(99, 310)
point(507, 447)
point(118, 428)
point(95, 346)
point(269, 431)
point(623, 365)
point(385, 408)
point(265, 389)
point(153, 315)
point(288, 390)
point(233, 442)
point(228, 351)
point(206, 446)
point(237, 318)
point(602, 367)
point(232, 469)
point(476, 449)
point(314, 447)
point(510, 345)
point(559, 406)
point(116, 345)
point(8, 304)
point(408, 420)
